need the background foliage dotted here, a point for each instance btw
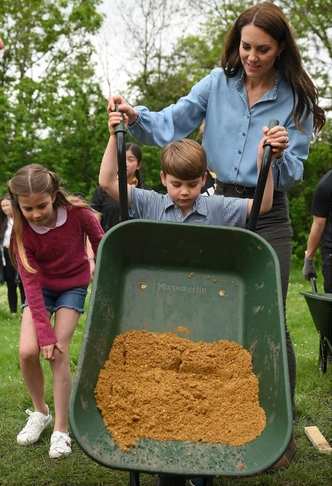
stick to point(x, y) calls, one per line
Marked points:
point(52, 107)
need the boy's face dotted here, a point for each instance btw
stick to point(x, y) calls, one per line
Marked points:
point(183, 193)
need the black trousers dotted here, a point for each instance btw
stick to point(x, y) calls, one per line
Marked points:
point(11, 278)
point(327, 269)
point(275, 227)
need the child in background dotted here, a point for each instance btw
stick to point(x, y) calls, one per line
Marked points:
point(10, 274)
point(107, 207)
point(48, 244)
point(183, 174)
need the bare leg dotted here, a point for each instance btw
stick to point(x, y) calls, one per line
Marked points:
point(30, 362)
point(64, 326)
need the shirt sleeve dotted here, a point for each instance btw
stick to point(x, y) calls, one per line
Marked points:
point(321, 201)
point(229, 211)
point(174, 122)
point(35, 299)
point(289, 168)
point(91, 227)
point(146, 204)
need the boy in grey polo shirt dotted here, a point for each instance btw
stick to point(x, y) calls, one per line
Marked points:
point(183, 173)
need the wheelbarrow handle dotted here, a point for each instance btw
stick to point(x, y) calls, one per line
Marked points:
point(120, 132)
point(313, 285)
point(263, 173)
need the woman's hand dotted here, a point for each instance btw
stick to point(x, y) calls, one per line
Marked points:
point(47, 351)
point(278, 138)
point(124, 106)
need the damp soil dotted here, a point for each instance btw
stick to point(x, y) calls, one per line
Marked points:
point(164, 386)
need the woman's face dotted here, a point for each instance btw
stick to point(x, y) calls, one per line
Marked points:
point(132, 165)
point(258, 52)
point(38, 209)
point(6, 207)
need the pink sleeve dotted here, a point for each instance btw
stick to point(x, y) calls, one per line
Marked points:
point(92, 228)
point(35, 299)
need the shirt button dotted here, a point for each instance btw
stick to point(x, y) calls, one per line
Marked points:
point(244, 134)
point(179, 215)
point(239, 151)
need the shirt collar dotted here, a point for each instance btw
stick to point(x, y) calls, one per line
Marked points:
point(61, 219)
point(199, 205)
point(270, 95)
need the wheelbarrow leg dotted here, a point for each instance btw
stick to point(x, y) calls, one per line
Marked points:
point(322, 354)
point(134, 479)
point(169, 480)
point(203, 482)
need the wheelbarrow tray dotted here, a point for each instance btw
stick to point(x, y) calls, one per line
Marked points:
point(220, 283)
point(320, 307)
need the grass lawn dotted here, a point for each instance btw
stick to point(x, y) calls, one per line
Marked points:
point(31, 466)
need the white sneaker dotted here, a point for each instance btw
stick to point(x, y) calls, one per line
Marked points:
point(36, 423)
point(60, 445)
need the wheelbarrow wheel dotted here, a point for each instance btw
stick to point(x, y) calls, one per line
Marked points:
point(322, 355)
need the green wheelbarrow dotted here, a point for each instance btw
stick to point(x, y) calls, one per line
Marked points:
point(320, 307)
point(220, 283)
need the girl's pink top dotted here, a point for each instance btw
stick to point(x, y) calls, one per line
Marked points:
point(60, 258)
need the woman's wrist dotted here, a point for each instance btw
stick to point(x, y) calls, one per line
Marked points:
point(133, 118)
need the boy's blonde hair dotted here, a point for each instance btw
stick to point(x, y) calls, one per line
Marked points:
point(184, 159)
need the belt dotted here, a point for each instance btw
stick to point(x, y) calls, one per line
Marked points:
point(235, 187)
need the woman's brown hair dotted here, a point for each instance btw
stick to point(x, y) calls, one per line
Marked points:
point(269, 18)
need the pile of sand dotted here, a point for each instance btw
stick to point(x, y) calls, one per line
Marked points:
point(165, 387)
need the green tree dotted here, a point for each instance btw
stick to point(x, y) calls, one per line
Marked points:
point(51, 104)
point(312, 24)
point(300, 197)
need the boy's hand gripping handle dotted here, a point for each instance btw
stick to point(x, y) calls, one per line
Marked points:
point(120, 132)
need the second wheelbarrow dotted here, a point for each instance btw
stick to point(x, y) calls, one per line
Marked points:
point(320, 307)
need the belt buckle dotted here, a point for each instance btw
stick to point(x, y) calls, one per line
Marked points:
point(238, 190)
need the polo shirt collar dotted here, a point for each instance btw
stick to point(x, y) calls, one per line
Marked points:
point(199, 205)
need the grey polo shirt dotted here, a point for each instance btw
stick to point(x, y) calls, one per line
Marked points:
point(217, 210)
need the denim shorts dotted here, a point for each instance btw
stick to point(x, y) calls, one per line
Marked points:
point(71, 298)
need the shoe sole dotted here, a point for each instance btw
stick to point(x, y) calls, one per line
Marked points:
point(58, 455)
point(26, 443)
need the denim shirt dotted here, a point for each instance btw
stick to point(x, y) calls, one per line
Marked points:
point(214, 210)
point(232, 130)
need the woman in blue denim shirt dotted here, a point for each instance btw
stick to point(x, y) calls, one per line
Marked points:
point(261, 77)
